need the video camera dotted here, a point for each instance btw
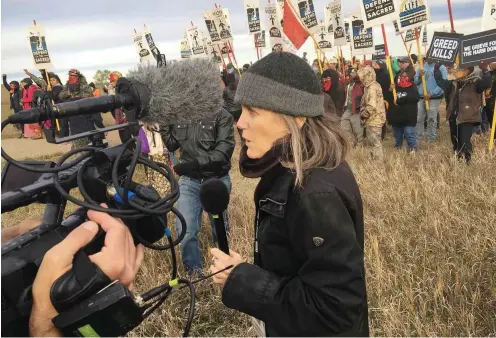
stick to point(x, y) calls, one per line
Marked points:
point(88, 303)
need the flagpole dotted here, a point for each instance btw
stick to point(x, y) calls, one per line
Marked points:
point(388, 60)
point(451, 17)
point(421, 63)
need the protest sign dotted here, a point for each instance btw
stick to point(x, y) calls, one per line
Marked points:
point(379, 53)
point(220, 17)
point(306, 9)
point(424, 36)
point(151, 44)
point(280, 12)
point(328, 19)
point(412, 13)
point(185, 50)
point(337, 22)
point(478, 47)
point(489, 15)
point(212, 51)
point(252, 8)
point(396, 28)
point(410, 34)
point(323, 38)
point(363, 41)
point(142, 47)
point(347, 30)
point(260, 39)
point(38, 45)
point(274, 25)
point(444, 48)
point(195, 42)
point(377, 12)
point(211, 27)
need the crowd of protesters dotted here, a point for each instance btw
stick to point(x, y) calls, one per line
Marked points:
point(33, 91)
point(362, 95)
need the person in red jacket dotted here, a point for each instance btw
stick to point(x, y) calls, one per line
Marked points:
point(33, 130)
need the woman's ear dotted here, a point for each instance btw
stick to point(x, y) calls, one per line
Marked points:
point(300, 121)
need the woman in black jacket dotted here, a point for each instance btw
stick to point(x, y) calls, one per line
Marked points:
point(15, 98)
point(403, 116)
point(332, 87)
point(308, 276)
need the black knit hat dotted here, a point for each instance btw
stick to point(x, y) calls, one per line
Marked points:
point(282, 82)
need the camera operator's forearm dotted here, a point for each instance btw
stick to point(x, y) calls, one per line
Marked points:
point(40, 322)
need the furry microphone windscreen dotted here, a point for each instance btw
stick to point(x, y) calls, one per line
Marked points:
point(182, 91)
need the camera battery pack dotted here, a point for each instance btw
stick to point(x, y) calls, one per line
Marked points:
point(111, 312)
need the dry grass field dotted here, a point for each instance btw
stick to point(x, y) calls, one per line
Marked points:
point(430, 248)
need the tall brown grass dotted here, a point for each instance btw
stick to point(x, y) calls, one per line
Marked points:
point(430, 251)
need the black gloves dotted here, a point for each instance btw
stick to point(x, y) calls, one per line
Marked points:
point(189, 168)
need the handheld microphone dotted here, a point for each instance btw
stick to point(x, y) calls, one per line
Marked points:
point(214, 197)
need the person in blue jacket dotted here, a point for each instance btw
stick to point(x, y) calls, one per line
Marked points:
point(433, 96)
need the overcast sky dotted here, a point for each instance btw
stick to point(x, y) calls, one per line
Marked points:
point(91, 35)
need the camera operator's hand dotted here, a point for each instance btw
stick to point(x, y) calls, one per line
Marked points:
point(118, 259)
point(188, 168)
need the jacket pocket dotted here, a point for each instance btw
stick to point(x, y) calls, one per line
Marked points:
point(180, 131)
point(206, 132)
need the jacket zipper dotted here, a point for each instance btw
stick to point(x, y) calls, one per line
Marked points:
point(257, 226)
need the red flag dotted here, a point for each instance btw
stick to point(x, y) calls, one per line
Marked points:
point(293, 28)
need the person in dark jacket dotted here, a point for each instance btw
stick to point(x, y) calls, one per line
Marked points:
point(463, 106)
point(332, 87)
point(490, 98)
point(75, 89)
point(206, 147)
point(228, 95)
point(382, 77)
point(15, 98)
point(403, 115)
point(308, 275)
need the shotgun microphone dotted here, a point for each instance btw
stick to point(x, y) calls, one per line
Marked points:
point(214, 197)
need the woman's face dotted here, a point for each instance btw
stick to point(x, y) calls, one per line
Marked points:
point(261, 128)
point(53, 81)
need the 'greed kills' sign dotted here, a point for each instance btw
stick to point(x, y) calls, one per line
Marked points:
point(478, 47)
point(444, 47)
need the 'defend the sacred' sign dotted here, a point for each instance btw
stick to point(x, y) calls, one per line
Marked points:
point(444, 47)
point(478, 47)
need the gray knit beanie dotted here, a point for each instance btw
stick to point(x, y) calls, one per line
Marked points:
point(282, 82)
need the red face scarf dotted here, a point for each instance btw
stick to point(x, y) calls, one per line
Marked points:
point(326, 84)
point(73, 79)
point(404, 82)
